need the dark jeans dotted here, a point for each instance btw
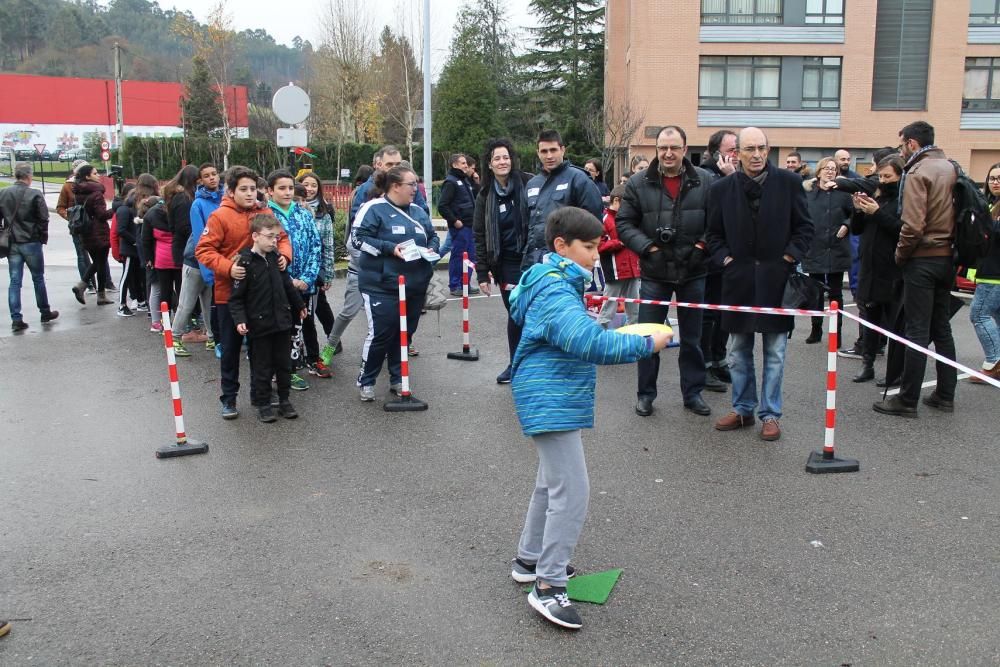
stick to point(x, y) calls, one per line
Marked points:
point(323, 311)
point(83, 261)
point(309, 337)
point(927, 285)
point(510, 274)
point(884, 315)
point(229, 365)
point(690, 360)
point(170, 289)
point(461, 241)
point(270, 356)
point(713, 338)
point(835, 283)
point(98, 267)
point(30, 254)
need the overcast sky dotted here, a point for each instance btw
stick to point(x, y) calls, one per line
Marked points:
point(305, 21)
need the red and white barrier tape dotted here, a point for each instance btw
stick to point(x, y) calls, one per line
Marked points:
point(762, 310)
point(175, 385)
point(924, 350)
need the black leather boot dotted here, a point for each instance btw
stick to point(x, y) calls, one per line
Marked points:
point(867, 373)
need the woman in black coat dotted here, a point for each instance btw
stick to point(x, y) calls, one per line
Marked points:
point(89, 192)
point(880, 281)
point(830, 252)
point(500, 227)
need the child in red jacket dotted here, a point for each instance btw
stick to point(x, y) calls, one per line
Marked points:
point(620, 266)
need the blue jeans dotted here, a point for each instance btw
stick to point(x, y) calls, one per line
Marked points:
point(985, 316)
point(461, 241)
point(741, 367)
point(30, 254)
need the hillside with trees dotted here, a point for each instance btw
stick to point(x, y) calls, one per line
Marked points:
point(62, 38)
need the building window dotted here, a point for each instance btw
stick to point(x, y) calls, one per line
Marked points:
point(741, 12)
point(982, 84)
point(821, 83)
point(825, 12)
point(902, 48)
point(984, 12)
point(739, 83)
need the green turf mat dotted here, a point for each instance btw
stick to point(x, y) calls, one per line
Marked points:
point(595, 588)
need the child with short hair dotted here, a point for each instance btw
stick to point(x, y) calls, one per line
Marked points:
point(619, 265)
point(262, 306)
point(554, 376)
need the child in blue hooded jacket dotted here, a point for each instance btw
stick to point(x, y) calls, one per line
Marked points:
point(307, 258)
point(554, 376)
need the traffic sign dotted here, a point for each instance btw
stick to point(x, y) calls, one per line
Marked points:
point(105, 155)
point(105, 146)
point(39, 148)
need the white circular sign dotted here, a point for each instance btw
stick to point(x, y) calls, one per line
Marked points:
point(105, 146)
point(105, 155)
point(291, 104)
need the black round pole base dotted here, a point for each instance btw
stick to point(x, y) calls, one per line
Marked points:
point(187, 449)
point(818, 465)
point(471, 355)
point(404, 404)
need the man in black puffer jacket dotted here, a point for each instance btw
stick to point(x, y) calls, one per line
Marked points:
point(662, 219)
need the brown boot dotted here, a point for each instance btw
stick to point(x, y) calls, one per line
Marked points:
point(770, 430)
point(991, 373)
point(80, 292)
point(734, 421)
point(102, 299)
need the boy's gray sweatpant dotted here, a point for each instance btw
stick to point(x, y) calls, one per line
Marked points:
point(193, 290)
point(353, 303)
point(558, 505)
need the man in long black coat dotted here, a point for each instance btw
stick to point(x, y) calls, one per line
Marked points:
point(758, 230)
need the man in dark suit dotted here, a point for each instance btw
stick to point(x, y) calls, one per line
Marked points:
point(758, 230)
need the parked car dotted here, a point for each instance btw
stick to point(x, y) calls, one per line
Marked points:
point(65, 156)
point(24, 153)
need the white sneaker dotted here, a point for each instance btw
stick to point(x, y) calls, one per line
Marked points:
point(368, 393)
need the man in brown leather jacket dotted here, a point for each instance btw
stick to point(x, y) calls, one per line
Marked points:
point(924, 253)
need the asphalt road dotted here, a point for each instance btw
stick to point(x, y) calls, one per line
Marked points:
point(353, 536)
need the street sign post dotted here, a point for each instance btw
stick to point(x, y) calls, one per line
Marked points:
point(40, 148)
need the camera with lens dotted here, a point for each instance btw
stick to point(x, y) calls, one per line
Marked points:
point(665, 235)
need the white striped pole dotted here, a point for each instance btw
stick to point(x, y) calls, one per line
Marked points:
point(404, 352)
point(826, 461)
point(467, 353)
point(406, 402)
point(175, 385)
point(184, 445)
point(831, 383)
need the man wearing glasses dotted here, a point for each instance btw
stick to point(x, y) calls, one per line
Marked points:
point(662, 219)
point(758, 229)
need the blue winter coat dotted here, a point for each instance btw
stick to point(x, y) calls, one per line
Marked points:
point(204, 204)
point(360, 197)
point(554, 366)
point(565, 185)
point(380, 227)
point(307, 248)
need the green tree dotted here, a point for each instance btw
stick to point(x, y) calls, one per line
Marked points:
point(202, 110)
point(467, 112)
point(566, 65)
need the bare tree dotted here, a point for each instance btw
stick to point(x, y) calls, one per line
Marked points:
point(397, 67)
point(612, 129)
point(216, 44)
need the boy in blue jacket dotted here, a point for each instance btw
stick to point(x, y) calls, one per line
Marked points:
point(554, 375)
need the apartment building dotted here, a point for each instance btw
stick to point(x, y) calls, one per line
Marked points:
point(816, 75)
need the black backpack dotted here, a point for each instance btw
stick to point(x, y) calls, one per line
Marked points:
point(79, 220)
point(974, 230)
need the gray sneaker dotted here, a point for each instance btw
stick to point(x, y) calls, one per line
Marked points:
point(368, 393)
point(396, 388)
point(554, 605)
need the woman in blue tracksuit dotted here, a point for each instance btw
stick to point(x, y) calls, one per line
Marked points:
point(386, 222)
